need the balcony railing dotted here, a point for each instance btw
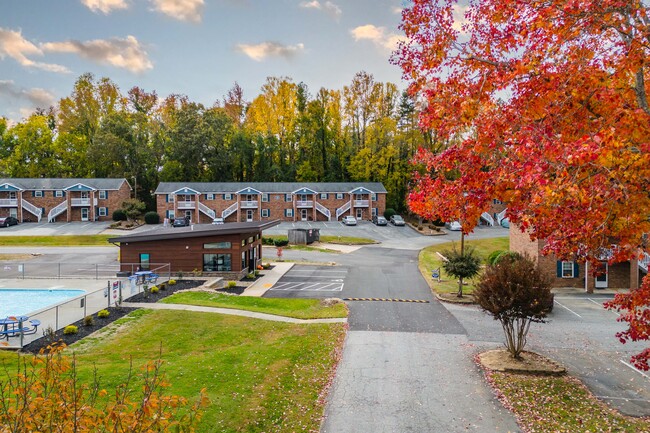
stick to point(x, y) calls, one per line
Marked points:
point(361, 203)
point(305, 203)
point(185, 204)
point(8, 202)
point(248, 204)
point(80, 201)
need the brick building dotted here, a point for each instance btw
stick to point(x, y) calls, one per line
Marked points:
point(265, 201)
point(62, 200)
point(567, 273)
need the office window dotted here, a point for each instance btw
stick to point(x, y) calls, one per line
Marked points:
point(287, 197)
point(251, 239)
point(265, 197)
point(266, 213)
point(103, 195)
point(145, 260)
point(339, 195)
point(217, 246)
point(323, 196)
point(288, 212)
point(243, 242)
point(217, 262)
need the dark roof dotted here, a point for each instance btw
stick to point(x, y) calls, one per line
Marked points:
point(268, 187)
point(58, 183)
point(163, 233)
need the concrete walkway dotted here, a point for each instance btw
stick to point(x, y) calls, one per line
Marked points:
point(230, 311)
point(271, 276)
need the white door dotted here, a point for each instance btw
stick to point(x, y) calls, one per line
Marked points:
point(84, 214)
point(359, 214)
point(13, 212)
point(601, 280)
point(249, 215)
point(303, 214)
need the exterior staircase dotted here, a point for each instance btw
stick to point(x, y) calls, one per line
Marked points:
point(343, 209)
point(501, 215)
point(644, 262)
point(207, 211)
point(488, 218)
point(36, 211)
point(325, 211)
point(229, 210)
point(56, 211)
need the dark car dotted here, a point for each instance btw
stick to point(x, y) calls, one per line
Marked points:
point(379, 220)
point(181, 222)
point(397, 220)
point(8, 221)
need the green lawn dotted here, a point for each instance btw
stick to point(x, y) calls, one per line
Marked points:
point(55, 241)
point(260, 376)
point(347, 240)
point(297, 308)
point(560, 405)
point(429, 260)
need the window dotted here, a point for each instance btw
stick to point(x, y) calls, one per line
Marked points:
point(339, 195)
point(217, 262)
point(288, 212)
point(170, 198)
point(59, 193)
point(38, 193)
point(103, 211)
point(568, 270)
point(266, 213)
point(374, 211)
point(227, 196)
point(497, 201)
point(217, 246)
point(323, 196)
point(209, 196)
point(145, 260)
point(243, 242)
point(103, 195)
point(373, 197)
point(287, 197)
point(265, 197)
point(251, 239)
point(170, 214)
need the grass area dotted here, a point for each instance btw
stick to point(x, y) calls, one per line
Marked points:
point(429, 260)
point(15, 257)
point(260, 376)
point(297, 308)
point(55, 241)
point(545, 404)
point(347, 240)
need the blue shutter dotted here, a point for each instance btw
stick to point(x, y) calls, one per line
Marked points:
point(166, 198)
point(33, 193)
point(106, 195)
point(559, 269)
point(576, 270)
point(63, 193)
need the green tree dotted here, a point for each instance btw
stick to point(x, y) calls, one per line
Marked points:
point(462, 265)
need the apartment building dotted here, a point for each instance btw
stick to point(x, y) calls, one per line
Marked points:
point(201, 202)
point(62, 200)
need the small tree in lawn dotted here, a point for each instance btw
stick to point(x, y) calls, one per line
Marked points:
point(515, 293)
point(133, 208)
point(462, 265)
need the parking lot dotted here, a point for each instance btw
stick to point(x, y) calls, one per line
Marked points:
point(310, 281)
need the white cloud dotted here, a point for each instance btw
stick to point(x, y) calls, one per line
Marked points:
point(124, 53)
point(37, 97)
point(377, 35)
point(397, 10)
point(459, 16)
point(184, 10)
point(261, 51)
point(328, 7)
point(12, 44)
point(105, 6)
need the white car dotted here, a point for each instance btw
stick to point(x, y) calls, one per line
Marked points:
point(217, 221)
point(455, 226)
point(349, 220)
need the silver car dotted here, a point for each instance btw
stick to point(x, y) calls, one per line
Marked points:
point(349, 220)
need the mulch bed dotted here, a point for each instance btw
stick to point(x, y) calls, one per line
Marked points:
point(115, 314)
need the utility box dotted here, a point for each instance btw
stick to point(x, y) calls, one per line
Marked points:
point(303, 236)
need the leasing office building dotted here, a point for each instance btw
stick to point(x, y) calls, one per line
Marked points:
point(265, 201)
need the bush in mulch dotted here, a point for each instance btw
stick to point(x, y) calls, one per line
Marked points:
point(93, 323)
point(237, 290)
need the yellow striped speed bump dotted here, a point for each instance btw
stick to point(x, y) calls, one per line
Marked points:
point(418, 301)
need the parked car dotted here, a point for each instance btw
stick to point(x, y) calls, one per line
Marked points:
point(505, 223)
point(397, 220)
point(379, 220)
point(217, 220)
point(8, 221)
point(349, 220)
point(181, 222)
point(454, 226)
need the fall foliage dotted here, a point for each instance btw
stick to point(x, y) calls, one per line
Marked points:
point(545, 107)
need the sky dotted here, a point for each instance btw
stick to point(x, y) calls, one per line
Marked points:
point(198, 48)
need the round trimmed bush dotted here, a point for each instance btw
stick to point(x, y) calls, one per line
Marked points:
point(281, 242)
point(119, 215)
point(152, 217)
point(389, 213)
point(70, 329)
point(103, 314)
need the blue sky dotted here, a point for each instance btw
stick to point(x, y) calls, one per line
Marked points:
point(194, 47)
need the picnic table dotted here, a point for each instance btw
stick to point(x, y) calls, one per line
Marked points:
point(12, 326)
point(142, 277)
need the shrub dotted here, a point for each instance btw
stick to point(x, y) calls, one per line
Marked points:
point(152, 217)
point(250, 276)
point(461, 265)
point(171, 282)
point(103, 314)
point(266, 266)
point(119, 215)
point(49, 334)
point(231, 284)
point(197, 272)
point(516, 293)
point(89, 321)
point(154, 289)
point(133, 208)
point(267, 241)
point(162, 286)
point(179, 275)
point(389, 213)
point(420, 228)
point(70, 329)
point(256, 272)
point(281, 242)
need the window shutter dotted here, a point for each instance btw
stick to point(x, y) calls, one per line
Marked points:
point(63, 193)
point(106, 195)
point(33, 193)
point(166, 198)
point(559, 269)
point(576, 270)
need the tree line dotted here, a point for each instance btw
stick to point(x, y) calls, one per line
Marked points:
point(367, 131)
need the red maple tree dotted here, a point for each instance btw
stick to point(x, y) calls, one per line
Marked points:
point(546, 104)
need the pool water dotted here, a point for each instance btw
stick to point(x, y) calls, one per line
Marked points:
point(22, 302)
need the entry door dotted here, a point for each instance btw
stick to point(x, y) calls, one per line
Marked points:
point(249, 215)
point(601, 280)
point(13, 212)
point(84, 214)
point(303, 214)
point(359, 214)
point(188, 214)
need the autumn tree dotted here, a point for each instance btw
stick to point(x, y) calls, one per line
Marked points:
point(547, 102)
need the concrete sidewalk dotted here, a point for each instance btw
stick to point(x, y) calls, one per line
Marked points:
point(270, 277)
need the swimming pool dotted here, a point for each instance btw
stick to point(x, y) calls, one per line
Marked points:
point(22, 302)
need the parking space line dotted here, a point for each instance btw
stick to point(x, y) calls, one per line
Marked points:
point(635, 369)
point(568, 309)
point(312, 285)
point(316, 270)
point(600, 304)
